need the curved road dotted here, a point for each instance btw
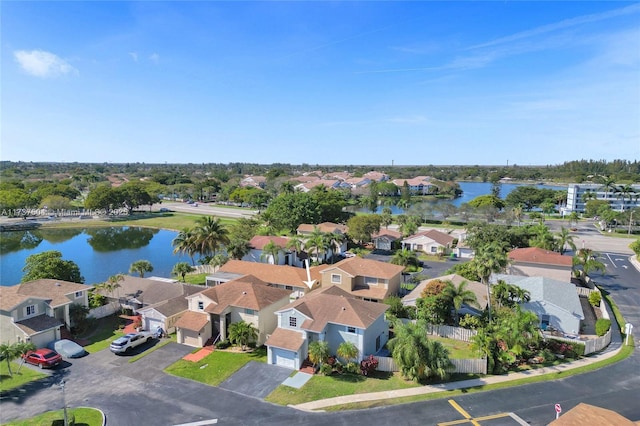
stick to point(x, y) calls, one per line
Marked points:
point(141, 394)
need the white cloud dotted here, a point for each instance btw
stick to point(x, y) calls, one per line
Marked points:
point(154, 57)
point(134, 56)
point(43, 64)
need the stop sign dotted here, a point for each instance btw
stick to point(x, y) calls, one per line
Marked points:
point(558, 408)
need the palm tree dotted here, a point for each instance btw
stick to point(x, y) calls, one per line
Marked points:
point(586, 261)
point(241, 333)
point(210, 234)
point(237, 248)
point(543, 238)
point(218, 260)
point(22, 348)
point(573, 218)
point(489, 259)
point(459, 296)
point(563, 239)
point(111, 285)
point(386, 217)
point(141, 267)
point(623, 192)
point(9, 352)
point(517, 213)
point(295, 244)
point(318, 352)
point(484, 344)
point(405, 257)
point(335, 241)
point(185, 242)
point(182, 269)
point(317, 243)
point(416, 355)
point(608, 184)
point(271, 252)
point(348, 351)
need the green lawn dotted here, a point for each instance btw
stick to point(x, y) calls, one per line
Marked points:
point(83, 417)
point(105, 331)
point(322, 387)
point(25, 375)
point(216, 367)
point(199, 279)
point(457, 348)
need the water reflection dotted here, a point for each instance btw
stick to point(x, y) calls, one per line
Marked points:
point(19, 240)
point(118, 238)
point(58, 235)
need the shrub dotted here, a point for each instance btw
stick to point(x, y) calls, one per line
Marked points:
point(602, 326)
point(368, 365)
point(223, 344)
point(635, 246)
point(326, 369)
point(352, 368)
point(595, 298)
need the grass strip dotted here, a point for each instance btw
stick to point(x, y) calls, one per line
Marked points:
point(83, 417)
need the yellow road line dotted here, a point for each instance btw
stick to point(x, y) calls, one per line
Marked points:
point(463, 412)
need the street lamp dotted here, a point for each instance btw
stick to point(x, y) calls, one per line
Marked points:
point(64, 403)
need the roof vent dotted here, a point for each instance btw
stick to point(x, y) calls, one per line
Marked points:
point(344, 309)
point(244, 292)
point(57, 284)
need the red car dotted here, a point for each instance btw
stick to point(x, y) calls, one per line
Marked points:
point(43, 358)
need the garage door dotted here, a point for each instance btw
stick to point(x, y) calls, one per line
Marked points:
point(284, 358)
point(41, 340)
point(152, 324)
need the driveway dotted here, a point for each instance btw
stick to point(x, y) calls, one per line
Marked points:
point(256, 379)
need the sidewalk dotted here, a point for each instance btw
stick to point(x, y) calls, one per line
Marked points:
point(611, 350)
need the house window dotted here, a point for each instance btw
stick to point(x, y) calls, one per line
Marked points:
point(544, 322)
point(351, 330)
point(293, 322)
point(434, 249)
point(78, 294)
point(288, 287)
point(249, 312)
point(336, 278)
point(31, 310)
point(200, 305)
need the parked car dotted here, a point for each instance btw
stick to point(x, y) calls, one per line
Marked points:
point(164, 210)
point(129, 341)
point(67, 348)
point(43, 358)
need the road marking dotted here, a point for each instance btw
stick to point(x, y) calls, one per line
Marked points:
point(200, 423)
point(474, 421)
point(611, 260)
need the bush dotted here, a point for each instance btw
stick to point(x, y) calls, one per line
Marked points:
point(368, 365)
point(602, 326)
point(326, 369)
point(635, 246)
point(223, 344)
point(352, 368)
point(595, 298)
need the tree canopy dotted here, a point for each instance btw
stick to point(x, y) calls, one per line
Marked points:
point(49, 264)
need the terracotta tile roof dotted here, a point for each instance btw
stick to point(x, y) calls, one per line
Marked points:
point(585, 414)
point(326, 227)
point(259, 241)
point(272, 274)
point(285, 339)
point(541, 256)
point(38, 324)
point(357, 266)
point(194, 321)
point(55, 291)
point(334, 305)
point(247, 292)
point(389, 233)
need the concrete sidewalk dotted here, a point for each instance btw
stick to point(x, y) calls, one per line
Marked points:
point(611, 350)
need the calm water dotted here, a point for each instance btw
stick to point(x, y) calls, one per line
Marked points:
point(99, 252)
point(470, 190)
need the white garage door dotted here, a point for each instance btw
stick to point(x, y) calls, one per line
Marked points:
point(41, 340)
point(284, 358)
point(152, 324)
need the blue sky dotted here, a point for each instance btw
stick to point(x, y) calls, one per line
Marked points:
point(350, 82)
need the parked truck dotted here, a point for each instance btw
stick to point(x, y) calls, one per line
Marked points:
point(129, 341)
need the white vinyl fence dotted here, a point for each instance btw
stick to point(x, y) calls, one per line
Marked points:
point(104, 311)
point(451, 332)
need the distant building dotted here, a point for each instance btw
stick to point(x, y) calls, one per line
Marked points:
point(579, 194)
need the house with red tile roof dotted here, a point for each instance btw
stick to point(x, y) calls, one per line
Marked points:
point(213, 310)
point(332, 315)
point(418, 185)
point(34, 311)
point(365, 279)
point(534, 261)
point(430, 242)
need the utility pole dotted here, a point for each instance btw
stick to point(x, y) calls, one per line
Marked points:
point(64, 403)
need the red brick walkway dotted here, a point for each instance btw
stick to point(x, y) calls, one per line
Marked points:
point(132, 321)
point(197, 356)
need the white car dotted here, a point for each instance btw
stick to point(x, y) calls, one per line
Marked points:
point(129, 341)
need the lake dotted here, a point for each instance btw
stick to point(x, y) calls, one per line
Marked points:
point(99, 252)
point(470, 190)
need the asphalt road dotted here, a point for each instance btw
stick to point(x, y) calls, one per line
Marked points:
point(210, 209)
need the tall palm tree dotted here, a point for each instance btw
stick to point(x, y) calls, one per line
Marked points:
point(608, 184)
point(405, 257)
point(318, 352)
point(489, 259)
point(623, 192)
point(185, 243)
point(517, 213)
point(141, 267)
point(459, 296)
point(295, 244)
point(9, 352)
point(336, 240)
point(585, 262)
point(563, 239)
point(271, 252)
point(22, 348)
point(111, 285)
point(182, 269)
point(210, 235)
point(317, 243)
point(237, 248)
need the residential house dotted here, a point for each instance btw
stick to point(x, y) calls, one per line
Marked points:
point(556, 303)
point(165, 314)
point(136, 293)
point(306, 229)
point(479, 289)
point(430, 242)
point(328, 183)
point(534, 261)
point(365, 279)
point(257, 254)
point(376, 176)
point(385, 239)
point(35, 311)
point(290, 278)
point(253, 181)
point(419, 185)
point(213, 310)
point(330, 315)
point(585, 414)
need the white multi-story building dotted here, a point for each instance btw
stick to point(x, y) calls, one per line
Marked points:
point(578, 194)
